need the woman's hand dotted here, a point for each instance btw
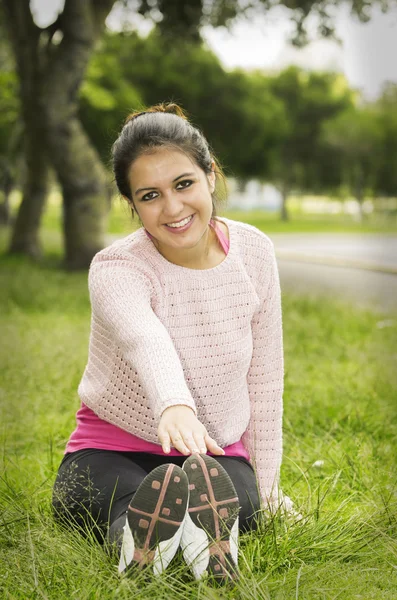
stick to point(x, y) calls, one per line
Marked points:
point(180, 427)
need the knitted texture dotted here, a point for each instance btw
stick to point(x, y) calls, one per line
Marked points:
point(163, 335)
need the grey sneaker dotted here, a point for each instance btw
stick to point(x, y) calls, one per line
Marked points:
point(210, 532)
point(155, 520)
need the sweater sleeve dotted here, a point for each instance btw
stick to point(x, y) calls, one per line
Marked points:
point(265, 378)
point(120, 296)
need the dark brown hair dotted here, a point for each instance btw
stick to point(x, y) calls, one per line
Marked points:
point(163, 126)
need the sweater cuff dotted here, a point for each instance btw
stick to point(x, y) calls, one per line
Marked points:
point(175, 402)
point(281, 504)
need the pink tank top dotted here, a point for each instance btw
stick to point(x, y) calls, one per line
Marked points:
point(93, 432)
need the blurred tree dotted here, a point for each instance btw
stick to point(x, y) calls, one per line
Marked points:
point(10, 128)
point(106, 96)
point(25, 233)
point(357, 135)
point(180, 19)
point(253, 124)
point(386, 106)
point(309, 99)
point(236, 111)
point(51, 64)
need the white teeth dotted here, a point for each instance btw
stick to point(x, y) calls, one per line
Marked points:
point(182, 223)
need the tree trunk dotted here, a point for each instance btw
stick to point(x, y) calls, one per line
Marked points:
point(85, 202)
point(24, 37)
point(78, 166)
point(5, 211)
point(359, 191)
point(6, 187)
point(360, 199)
point(241, 184)
point(284, 198)
point(25, 236)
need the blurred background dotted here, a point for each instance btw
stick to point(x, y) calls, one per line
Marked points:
point(298, 100)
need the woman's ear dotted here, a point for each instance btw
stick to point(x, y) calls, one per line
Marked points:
point(128, 201)
point(132, 208)
point(212, 177)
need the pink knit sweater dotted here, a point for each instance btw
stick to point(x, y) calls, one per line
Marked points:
point(93, 432)
point(163, 335)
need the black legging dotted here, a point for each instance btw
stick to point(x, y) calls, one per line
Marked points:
point(94, 488)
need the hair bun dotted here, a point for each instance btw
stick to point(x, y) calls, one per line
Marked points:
point(172, 107)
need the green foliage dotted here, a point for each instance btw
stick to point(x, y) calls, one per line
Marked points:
point(106, 97)
point(357, 136)
point(310, 99)
point(386, 183)
point(236, 111)
point(184, 19)
point(10, 121)
point(269, 127)
point(261, 126)
point(340, 385)
point(9, 109)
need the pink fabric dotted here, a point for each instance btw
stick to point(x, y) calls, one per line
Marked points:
point(93, 432)
point(224, 242)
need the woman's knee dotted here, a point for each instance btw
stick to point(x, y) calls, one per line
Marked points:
point(76, 503)
point(243, 477)
point(250, 506)
point(93, 488)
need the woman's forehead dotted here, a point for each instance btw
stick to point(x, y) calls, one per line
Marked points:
point(162, 164)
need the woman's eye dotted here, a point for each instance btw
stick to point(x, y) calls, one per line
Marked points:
point(185, 183)
point(148, 196)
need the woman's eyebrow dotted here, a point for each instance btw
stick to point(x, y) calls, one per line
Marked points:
point(173, 181)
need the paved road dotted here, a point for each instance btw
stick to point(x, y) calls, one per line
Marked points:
point(361, 269)
point(365, 251)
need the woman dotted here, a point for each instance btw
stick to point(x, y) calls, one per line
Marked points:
point(185, 360)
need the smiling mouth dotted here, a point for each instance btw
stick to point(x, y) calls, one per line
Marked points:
point(185, 221)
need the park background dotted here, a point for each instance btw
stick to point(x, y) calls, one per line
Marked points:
point(307, 152)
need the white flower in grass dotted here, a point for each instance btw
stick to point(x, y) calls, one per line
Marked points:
point(318, 464)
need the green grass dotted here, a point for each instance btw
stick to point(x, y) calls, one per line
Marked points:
point(340, 408)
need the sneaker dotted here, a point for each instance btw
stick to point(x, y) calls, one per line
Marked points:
point(210, 532)
point(155, 517)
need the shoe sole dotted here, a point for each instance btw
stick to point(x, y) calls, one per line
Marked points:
point(213, 508)
point(156, 513)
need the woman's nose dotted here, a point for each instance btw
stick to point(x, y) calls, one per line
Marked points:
point(173, 204)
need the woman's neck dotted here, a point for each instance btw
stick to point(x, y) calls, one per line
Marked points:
point(201, 256)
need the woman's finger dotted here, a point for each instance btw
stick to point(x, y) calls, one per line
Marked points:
point(213, 446)
point(178, 443)
point(165, 441)
point(200, 442)
point(190, 442)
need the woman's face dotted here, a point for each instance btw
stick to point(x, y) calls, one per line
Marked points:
point(167, 187)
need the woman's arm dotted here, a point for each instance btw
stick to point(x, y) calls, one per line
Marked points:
point(265, 378)
point(120, 294)
point(121, 309)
